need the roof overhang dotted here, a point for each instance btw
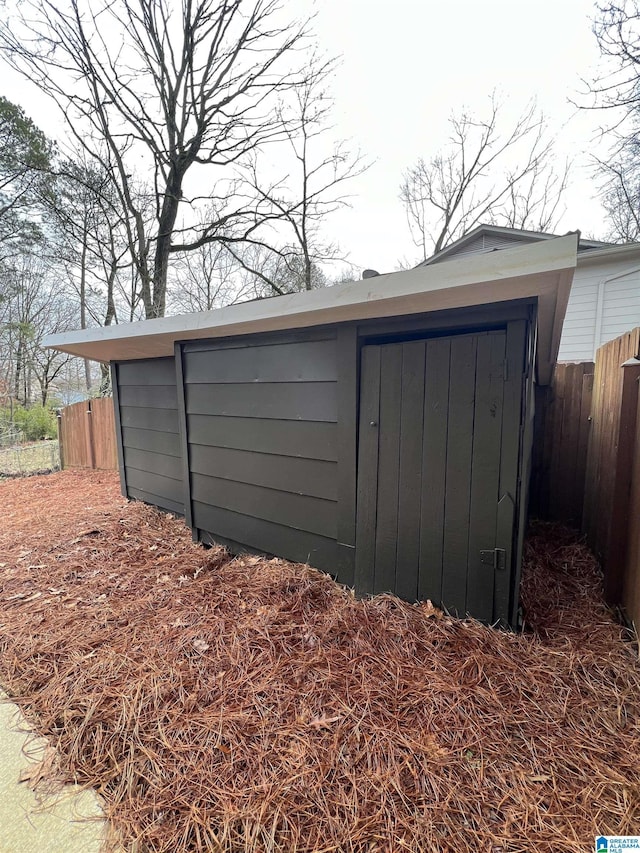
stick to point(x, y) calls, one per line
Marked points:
point(542, 270)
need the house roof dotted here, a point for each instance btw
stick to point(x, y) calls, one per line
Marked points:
point(517, 235)
point(541, 270)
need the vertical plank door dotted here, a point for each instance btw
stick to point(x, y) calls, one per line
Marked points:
point(431, 473)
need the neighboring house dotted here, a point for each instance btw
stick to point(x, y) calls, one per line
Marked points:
point(605, 295)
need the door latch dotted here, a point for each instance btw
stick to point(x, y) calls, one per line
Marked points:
point(497, 558)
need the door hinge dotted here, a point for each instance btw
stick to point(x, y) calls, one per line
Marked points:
point(497, 558)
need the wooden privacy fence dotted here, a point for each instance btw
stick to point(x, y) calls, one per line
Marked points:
point(563, 412)
point(612, 482)
point(586, 468)
point(87, 435)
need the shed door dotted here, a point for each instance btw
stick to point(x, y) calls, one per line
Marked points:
point(437, 470)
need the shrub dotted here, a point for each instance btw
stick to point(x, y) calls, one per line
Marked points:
point(36, 423)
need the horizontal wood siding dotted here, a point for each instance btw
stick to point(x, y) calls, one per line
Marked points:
point(299, 476)
point(150, 435)
point(154, 420)
point(262, 427)
point(300, 511)
point(310, 361)
point(151, 460)
point(149, 397)
point(308, 439)
point(487, 243)
point(167, 443)
point(309, 401)
point(161, 501)
point(267, 537)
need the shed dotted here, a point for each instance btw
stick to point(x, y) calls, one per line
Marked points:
point(380, 430)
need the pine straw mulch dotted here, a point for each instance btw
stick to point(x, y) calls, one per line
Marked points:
point(226, 704)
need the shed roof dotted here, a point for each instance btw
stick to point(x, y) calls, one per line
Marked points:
point(541, 270)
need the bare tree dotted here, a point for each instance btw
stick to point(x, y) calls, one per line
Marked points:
point(620, 194)
point(617, 94)
point(36, 307)
point(274, 272)
point(313, 189)
point(46, 364)
point(484, 174)
point(144, 85)
point(89, 239)
point(617, 29)
point(207, 278)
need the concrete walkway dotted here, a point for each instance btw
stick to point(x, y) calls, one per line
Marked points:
point(32, 823)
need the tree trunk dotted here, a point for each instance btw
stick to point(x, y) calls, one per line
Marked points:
point(19, 367)
point(110, 316)
point(167, 221)
point(83, 300)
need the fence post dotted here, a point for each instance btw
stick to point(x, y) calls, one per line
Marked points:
point(631, 592)
point(91, 455)
point(60, 438)
point(619, 522)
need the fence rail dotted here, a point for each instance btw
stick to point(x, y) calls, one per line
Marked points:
point(87, 435)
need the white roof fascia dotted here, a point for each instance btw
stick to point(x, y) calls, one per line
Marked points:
point(610, 253)
point(543, 270)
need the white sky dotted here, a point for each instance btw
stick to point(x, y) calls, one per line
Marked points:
point(409, 63)
point(406, 65)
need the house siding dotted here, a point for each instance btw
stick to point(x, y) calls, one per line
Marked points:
point(148, 422)
point(620, 306)
point(485, 243)
point(603, 304)
point(578, 341)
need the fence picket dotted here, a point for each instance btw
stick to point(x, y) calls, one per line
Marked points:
point(588, 461)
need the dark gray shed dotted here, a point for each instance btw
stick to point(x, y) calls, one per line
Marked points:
point(380, 431)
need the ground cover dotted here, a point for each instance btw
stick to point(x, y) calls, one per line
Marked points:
point(254, 705)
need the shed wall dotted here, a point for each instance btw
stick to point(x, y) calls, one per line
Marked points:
point(151, 454)
point(260, 433)
point(263, 444)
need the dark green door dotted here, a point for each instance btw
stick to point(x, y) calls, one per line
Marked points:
point(439, 445)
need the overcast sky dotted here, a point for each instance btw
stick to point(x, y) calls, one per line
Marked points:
point(406, 65)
